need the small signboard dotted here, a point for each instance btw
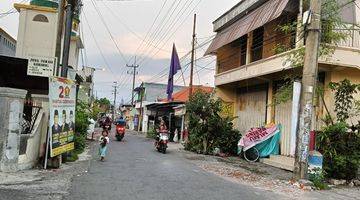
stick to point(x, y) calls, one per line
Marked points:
point(180, 111)
point(41, 66)
point(62, 99)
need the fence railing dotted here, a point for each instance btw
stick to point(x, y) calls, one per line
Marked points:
point(30, 114)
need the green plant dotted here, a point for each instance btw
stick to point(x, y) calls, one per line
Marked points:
point(80, 142)
point(82, 118)
point(344, 99)
point(284, 93)
point(280, 48)
point(95, 111)
point(333, 32)
point(83, 113)
point(340, 149)
point(103, 103)
point(318, 179)
point(72, 156)
point(151, 133)
point(207, 129)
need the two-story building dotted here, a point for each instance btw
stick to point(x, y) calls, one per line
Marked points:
point(253, 60)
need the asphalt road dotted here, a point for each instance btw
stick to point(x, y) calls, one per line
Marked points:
point(134, 170)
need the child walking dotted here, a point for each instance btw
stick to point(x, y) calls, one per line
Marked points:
point(104, 141)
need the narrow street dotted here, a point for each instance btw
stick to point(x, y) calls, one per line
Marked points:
point(134, 170)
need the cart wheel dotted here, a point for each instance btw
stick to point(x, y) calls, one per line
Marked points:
point(251, 155)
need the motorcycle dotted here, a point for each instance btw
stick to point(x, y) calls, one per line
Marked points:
point(162, 141)
point(120, 130)
point(106, 124)
point(107, 127)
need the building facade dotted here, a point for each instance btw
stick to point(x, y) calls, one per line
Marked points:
point(253, 61)
point(86, 87)
point(7, 44)
point(149, 93)
point(38, 25)
point(36, 37)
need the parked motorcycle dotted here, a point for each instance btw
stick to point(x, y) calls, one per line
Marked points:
point(120, 130)
point(161, 142)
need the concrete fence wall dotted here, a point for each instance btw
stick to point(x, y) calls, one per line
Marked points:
point(11, 104)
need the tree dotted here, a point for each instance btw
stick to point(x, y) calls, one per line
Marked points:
point(103, 103)
point(208, 130)
point(339, 142)
point(345, 103)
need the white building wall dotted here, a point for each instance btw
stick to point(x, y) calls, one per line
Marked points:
point(7, 45)
point(34, 37)
point(74, 54)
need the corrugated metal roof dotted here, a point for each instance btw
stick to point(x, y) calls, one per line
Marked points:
point(183, 95)
point(7, 35)
point(255, 19)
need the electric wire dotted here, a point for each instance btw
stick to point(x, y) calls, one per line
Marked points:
point(108, 30)
point(129, 29)
point(151, 27)
point(162, 25)
point(11, 10)
point(180, 25)
point(173, 23)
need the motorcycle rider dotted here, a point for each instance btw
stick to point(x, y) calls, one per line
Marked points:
point(107, 122)
point(162, 129)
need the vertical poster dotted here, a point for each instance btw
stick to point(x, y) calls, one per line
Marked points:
point(62, 100)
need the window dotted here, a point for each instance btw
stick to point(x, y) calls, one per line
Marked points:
point(257, 44)
point(243, 50)
point(40, 18)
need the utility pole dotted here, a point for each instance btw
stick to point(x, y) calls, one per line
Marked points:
point(115, 92)
point(309, 80)
point(67, 39)
point(134, 72)
point(141, 103)
point(192, 58)
point(60, 22)
point(71, 7)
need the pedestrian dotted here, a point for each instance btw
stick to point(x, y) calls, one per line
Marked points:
point(104, 141)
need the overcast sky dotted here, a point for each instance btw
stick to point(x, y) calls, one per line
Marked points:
point(129, 22)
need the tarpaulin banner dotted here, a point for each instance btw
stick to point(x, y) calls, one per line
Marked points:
point(257, 135)
point(62, 101)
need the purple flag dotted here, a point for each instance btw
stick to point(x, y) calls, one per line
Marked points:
point(174, 68)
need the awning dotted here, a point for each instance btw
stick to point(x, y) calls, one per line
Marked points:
point(257, 18)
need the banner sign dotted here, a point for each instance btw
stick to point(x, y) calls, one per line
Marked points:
point(41, 66)
point(257, 135)
point(62, 99)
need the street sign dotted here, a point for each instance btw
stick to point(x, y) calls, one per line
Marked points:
point(41, 66)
